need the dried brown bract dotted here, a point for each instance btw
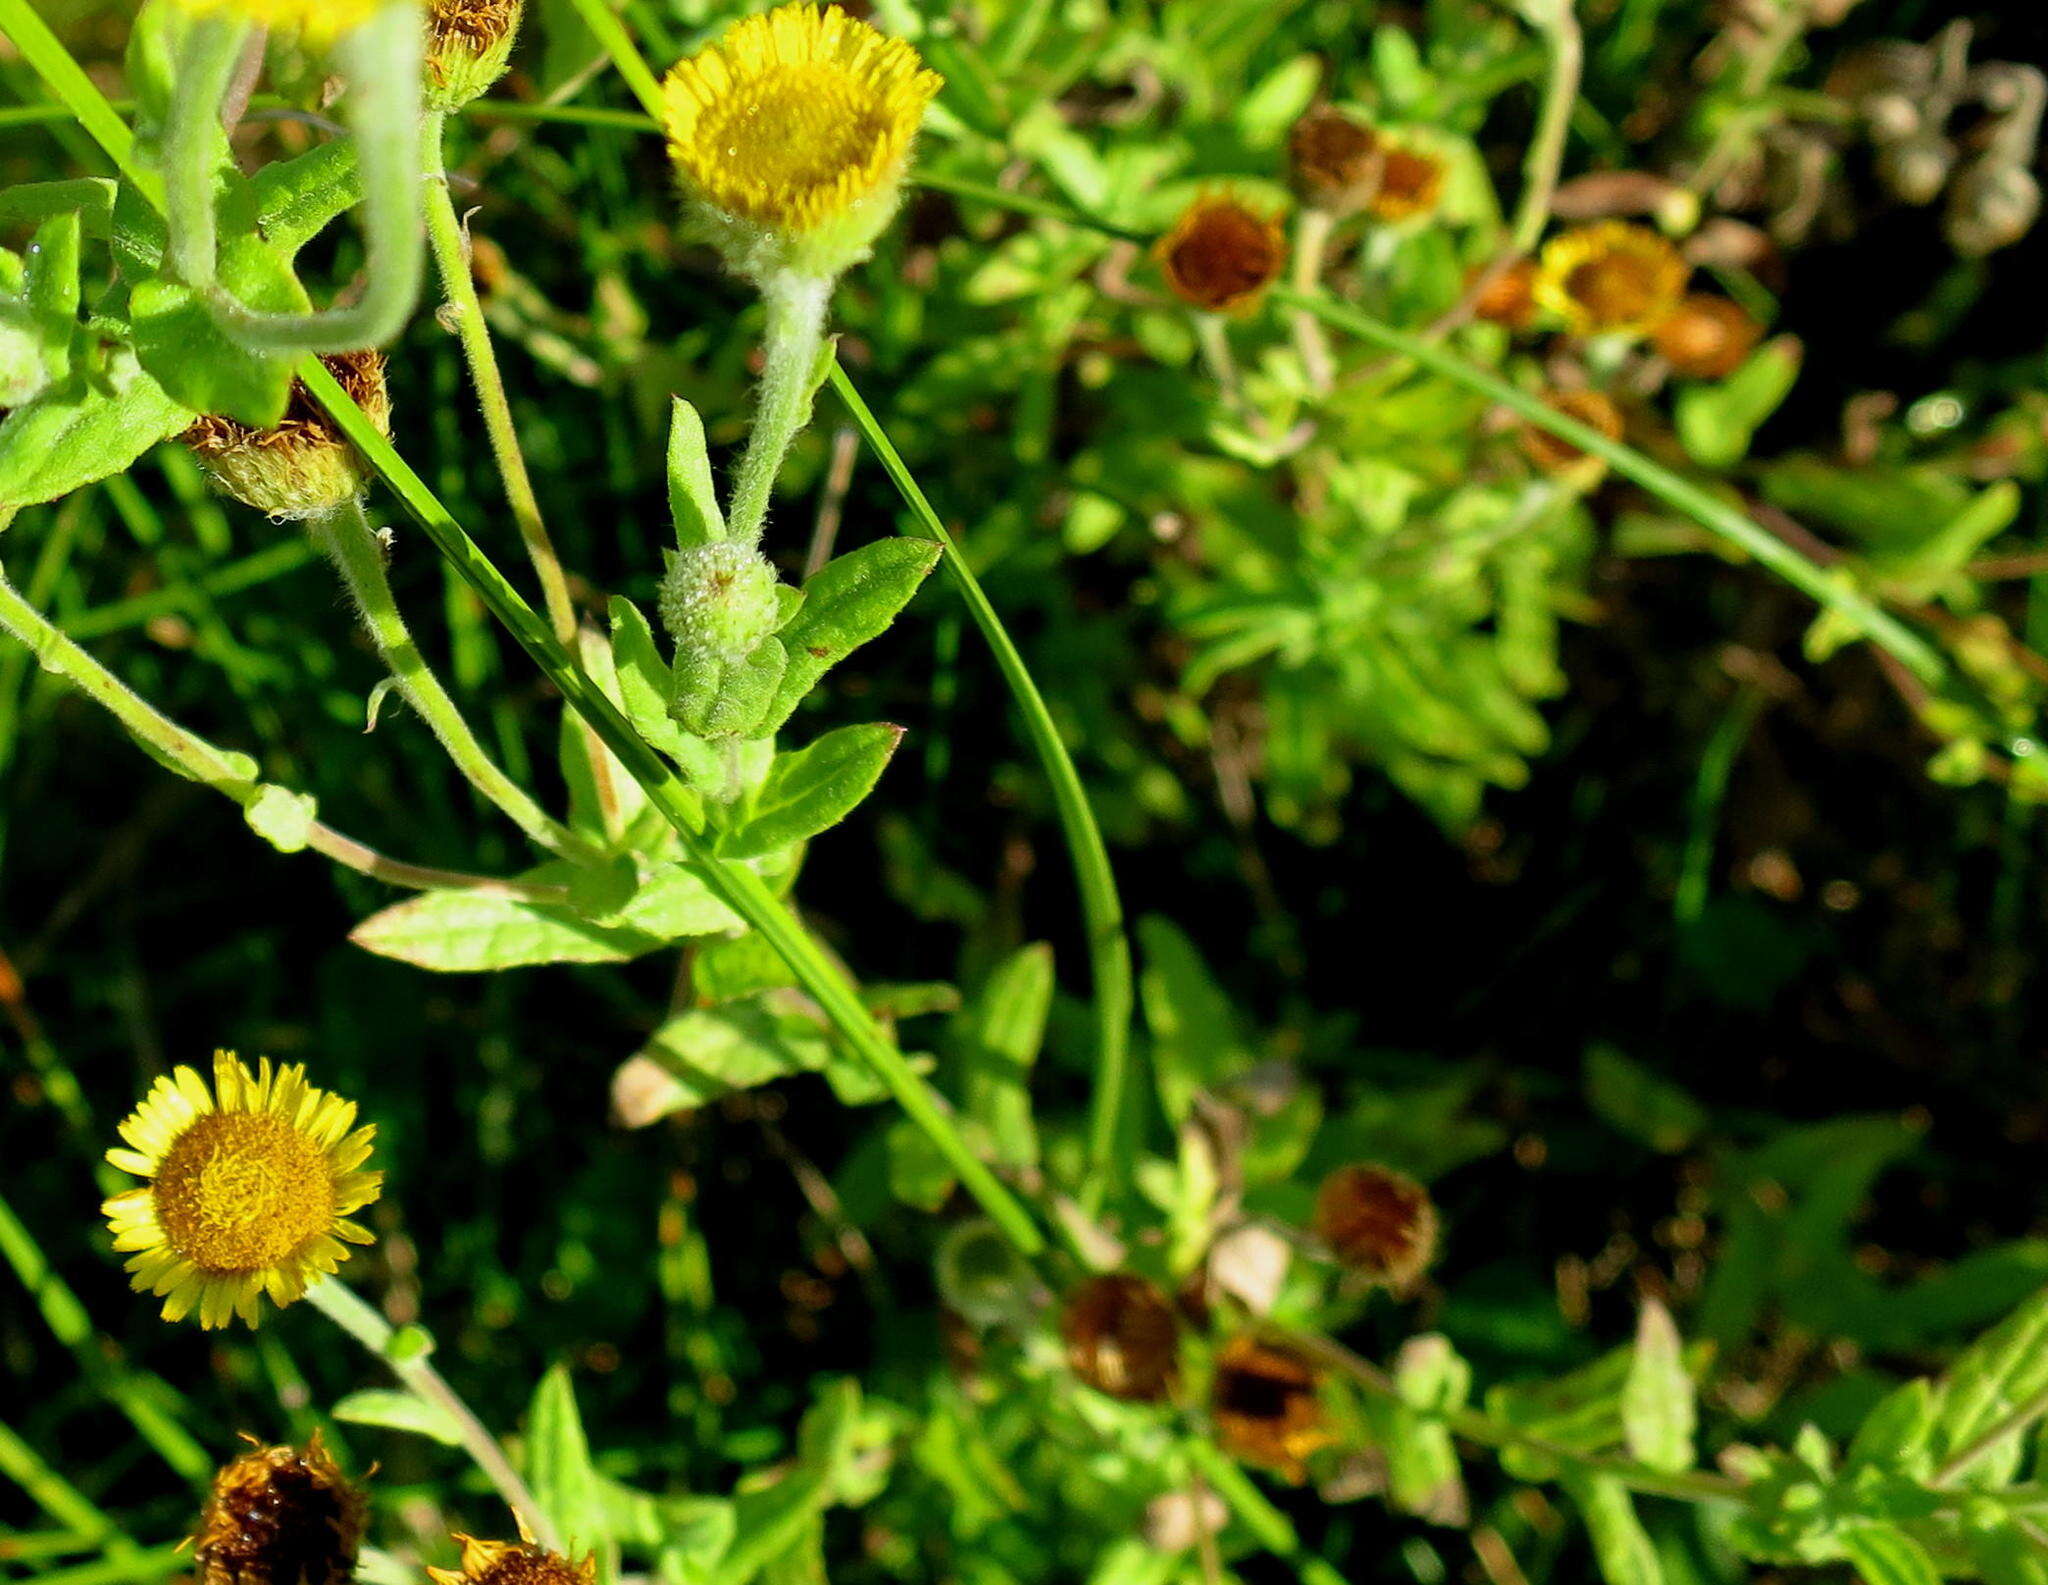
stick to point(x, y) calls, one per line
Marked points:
point(1121, 1337)
point(1333, 161)
point(1264, 1405)
point(280, 1516)
point(1221, 255)
point(303, 465)
point(513, 1563)
point(1378, 1221)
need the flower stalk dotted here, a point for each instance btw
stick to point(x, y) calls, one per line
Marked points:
point(789, 351)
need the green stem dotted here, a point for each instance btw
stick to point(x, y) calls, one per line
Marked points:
point(451, 258)
point(1311, 249)
point(789, 353)
point(611, 33)
point(1269, 1526)
point(1109, 949)
point(1567, 55)
point(194, 149)
point(410, 1355)
point(345, 535)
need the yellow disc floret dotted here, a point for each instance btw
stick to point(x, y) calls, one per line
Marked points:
point(799, 122)
point(251, 1186)
point(1611, 276)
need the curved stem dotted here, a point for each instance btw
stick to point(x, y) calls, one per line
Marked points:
point(1560, 30)
point(451, 259)
point(1311, 249)
point(194, 148)
point(789, 354)
point(382, 61)
point(409, 1354)
point(1109, 949)
point(345, 535)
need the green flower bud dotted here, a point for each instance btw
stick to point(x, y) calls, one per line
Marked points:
point(719, 600)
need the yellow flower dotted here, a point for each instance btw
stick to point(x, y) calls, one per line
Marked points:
point(251, 1186)
point(1611, 276)
point(513, 1563)
point(319, 21)
point(794, 128)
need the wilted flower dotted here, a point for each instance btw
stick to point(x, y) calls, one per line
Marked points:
point(1708, 337)
point(251, 1187)
point(1220, 255)
point(1121, 1337)
point(1377, 1220)
point(513, 1563)
point(304, 465)
point(1509, 297)
point(1612, 275)
point(1551, 453)
point(1264, 1405)
point(469, 43)
point(1411, 182)
point(280, 1516)
point(791, 134)
point(1333, 161)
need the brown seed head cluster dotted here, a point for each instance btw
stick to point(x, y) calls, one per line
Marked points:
point(1121, 1337)
point(1378, 1221)
point(469, 43)
point(1708, 338)
point(513, 1563)
point(304, 464)
point(1552, 454)
point(1411, 183)
point(280, 1516)
point(1333, 161)
point(1221, 255)
point(1264, 1405)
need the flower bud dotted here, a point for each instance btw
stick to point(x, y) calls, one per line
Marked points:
point(469, 43)
point(719, 599)
point(305, 465)
point(1377, 1221)
point(1264, 1406)
point(1221, 255)
point(1708, 338)
point(280, 1516)
point(1333, 161)
point(1121, 1337)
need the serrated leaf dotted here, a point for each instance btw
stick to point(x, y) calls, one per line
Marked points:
point(849, 601)
point(998, 1036)
point(812, 789)
point(1658, 1412)
point(400, 1411)
point(1883, 1554)
point(559, 1469)
point(79, 433)
point(1621, 1546)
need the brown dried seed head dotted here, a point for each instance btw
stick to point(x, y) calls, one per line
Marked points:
point(469, 43)
point(1264, 1405)
point(513, 1563)
point(1411, 182)
point(1221, 255)
point(1121, 1337)
point(304, 464)
point(1595, 409)
point(1707, 337)
point(1333, 161)
point(280, 1516)
point(1380, 1221)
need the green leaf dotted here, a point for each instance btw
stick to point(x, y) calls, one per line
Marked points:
point(297, 198)
point(2002, 1370)
point(1716, 422)
point(692, 498)
point(183, 347)
point(1195, 1041)
point(812, 789)
point(1621, 1546)
point(705, 1053)
point(558, 1467)
point(2002, 1552)
point(1896, 1434)
point(918, 1175)
point(1658, 1413)
point(998, 1036)
point(91, 198)
point(281, 817)
point(850, 600)
point(79, 433)
point(1640, 1104)
point(1885, 1555)
point(400, 1411)
point(770, 1521)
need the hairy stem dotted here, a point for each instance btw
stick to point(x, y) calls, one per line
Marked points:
point(789, 352)
point(346, 537)
point(451, 259)
point(409, 1354)
point(194, 148)
point(1311, 249)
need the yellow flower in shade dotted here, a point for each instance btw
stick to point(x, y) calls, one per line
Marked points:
point(513, 1563)
point(318, 21)
point(792, 133)
point(250, 1188)
point(1411, 182)
point(1611, 276)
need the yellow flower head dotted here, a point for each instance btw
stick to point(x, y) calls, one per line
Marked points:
point(1611, 276)
point(797, 124)
point(513, 1563)
point(317, 21)
point(250, 1188)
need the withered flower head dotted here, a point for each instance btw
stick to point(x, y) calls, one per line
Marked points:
point(1411, 182)
point(304, 465)
point(1552, 453)
point(1379, 1221)
point(1221, 255)
point(1121, 1338)
point(1333, 161)
point(1264, 1405)
point(469, 43)
point(513, 1563)
point(1707, 337)
point(1509, 298)
point(1612, 275)
point(280, 1516)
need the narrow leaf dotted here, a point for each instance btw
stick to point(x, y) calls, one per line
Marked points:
point(400, 1411)
point(1658, 1413)
point(998, 1037)
point(852, 598)
point(1885, 1555)
point(565, 1483)
point(692, 498)
point(1621, 1546)
point(813, 789)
